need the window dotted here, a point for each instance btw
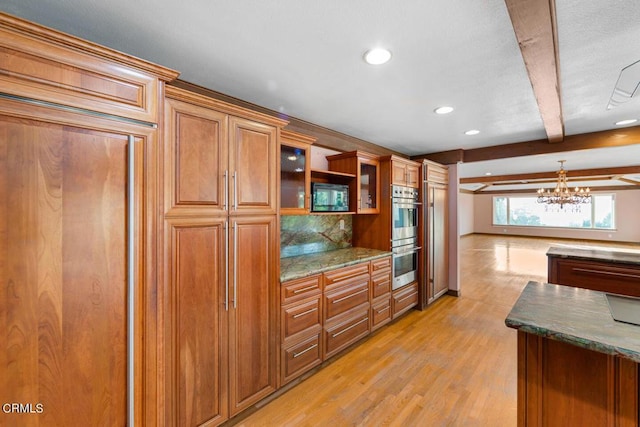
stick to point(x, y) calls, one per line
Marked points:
point(526, 211)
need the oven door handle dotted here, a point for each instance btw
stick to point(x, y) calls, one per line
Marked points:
point(408, 251)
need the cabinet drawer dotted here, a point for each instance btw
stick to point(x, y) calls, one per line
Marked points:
point(404, 299)
point(380, 285)
point(301, 316)
point(618, 279)
point(299, 289)
point(299, 358)
point(378, 265)
point(334, 277)
point(343, 299)
point(345, 332)
point(380, 313)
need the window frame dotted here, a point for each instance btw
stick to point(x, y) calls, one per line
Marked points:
point(592, 206)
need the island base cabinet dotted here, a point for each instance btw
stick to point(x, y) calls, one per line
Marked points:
point(560, 384)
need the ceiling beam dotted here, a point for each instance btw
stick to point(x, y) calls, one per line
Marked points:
point(585, 141)
point(534, 22)
point(596, 189)
point(575, 174)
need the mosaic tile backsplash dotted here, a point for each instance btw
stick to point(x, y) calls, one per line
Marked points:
point(309, 234)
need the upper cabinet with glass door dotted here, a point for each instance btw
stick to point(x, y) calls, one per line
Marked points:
point(295, 173)
point(366, 167)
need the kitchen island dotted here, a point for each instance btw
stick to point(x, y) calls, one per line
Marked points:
point(576, 365)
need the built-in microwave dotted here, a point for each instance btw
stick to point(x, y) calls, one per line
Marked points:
point(329, 197)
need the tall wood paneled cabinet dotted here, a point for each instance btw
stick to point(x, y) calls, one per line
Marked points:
point(434, 268)
point(221, 266)
point(78, 179)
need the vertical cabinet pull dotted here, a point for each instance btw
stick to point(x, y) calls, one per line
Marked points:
point(226, 265)
point(235, 190)
point(226, 190)
point(235, 264)
point(131, 284)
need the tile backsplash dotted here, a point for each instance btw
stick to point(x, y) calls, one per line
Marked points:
point(307, 234)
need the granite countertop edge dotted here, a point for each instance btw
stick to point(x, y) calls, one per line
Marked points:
point(590, 254)
point(317, 262)
point(582, 342)
point(575, 316)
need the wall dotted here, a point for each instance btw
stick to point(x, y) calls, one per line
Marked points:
point(466, 212)
point(307, 234)
point(627, 221)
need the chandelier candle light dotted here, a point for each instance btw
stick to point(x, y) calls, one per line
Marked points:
point(561, 195)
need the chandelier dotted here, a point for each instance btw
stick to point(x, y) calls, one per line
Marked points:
point(561, 195)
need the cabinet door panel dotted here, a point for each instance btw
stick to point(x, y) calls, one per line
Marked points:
point(197, 289)
point(439, 247)
point(196, 152)
point(252, 164)
point(398, 173)
point(253, 336)
point(64, 270)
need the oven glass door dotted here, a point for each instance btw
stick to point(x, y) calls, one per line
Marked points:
point(405, 267)
point(405, 220)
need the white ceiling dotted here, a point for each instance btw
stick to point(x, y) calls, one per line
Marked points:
point(304, 59)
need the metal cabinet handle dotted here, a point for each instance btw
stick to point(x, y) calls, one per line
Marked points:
point(407, 297)
point(226, 190)
point(385, 283)
point(226, 265)
point(235, 264)
point(304, 313)
point(308, 288)
point(350, 327)
point(383, 310)
point(131, 282)
point(235, 190)
point(348, 296)
point(304, 351)
point(606, 273)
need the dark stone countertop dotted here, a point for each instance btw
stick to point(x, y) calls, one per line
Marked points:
point(576, 316)
point(596, 254)
point(296, 267)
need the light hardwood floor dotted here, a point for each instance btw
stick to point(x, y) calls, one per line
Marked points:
point(453, 364)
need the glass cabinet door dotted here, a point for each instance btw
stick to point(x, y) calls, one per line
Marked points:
point(295, 173)
point(369, 183)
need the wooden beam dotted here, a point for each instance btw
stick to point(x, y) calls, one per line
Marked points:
point(534, 23)
point(575, 174)
point(443, 157)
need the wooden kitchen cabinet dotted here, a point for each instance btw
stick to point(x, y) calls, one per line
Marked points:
point(219, 163)
point(301, 320)
point(380, 292)
point(366, 167)
point(434, 233)
point(404, 299)
point(405, 172)
point(79, 307)
point(222, 317)
point(595, 274)
point(295, 173)
point(253, 306)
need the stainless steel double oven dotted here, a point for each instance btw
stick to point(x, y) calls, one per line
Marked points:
point(404, 235)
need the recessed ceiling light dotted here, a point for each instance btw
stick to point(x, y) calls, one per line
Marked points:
point(443, 110)
point(472, 132)
point(377, 56)
point(487, 173)
point(626, 122)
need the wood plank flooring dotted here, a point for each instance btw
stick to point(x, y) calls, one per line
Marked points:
point(453, 364)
